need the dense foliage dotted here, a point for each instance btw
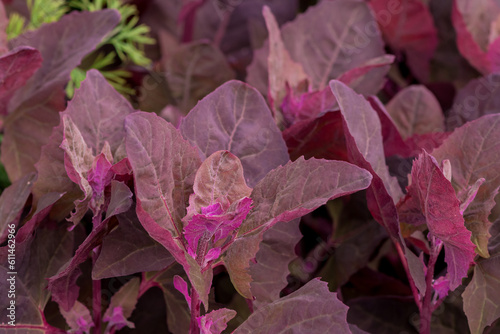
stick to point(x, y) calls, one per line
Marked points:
point(216, 166)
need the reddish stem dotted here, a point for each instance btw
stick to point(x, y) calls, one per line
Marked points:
point(195, 312)
point(427, 307)
point(96, 295)
point(413, 287)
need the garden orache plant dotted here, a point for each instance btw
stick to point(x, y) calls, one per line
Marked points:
point(350, 160)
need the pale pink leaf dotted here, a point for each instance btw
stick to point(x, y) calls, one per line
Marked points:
point(122, 305)
point(78, 318)
point(283, 71)
point(216, 321)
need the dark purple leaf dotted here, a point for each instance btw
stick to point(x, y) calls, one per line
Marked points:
point(34, 107)
point(285, 193)
point(37, 257)
point(311, 309)
point(125, 248)
point(270, 270)
point(384, 314)
point(473, 153)
point(63, 285)
point(321, 138)
point(178, 314)
point(16, 67)
point(236, 118)
point(194, 70)
point(12, 202)
point(478, 98)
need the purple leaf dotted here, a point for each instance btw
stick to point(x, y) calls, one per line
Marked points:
point(327, 48)
point(415, 110)
point(478, 98)
point(16, 67)
point(308, 106)
point(270, 270)
point(434, 197)
point(178, 313)
point(236, 118)
point(122, 305)
point(408, 26)
point(311, 309)
point(482, 294)
point(365, 149)
point(321, 138)
point(473, 153)
point(63, 285)
point(78, 318)
point(369, 77)
point(38, 256)
point(98, 112)
point(216, 321)
point(157, 152)
point(283, 71)
point(124, 249)
point(62, 45)
point(194, 70)
point(164, 167)
point(288, 192)
point(12, 202)
point(473, 24)
point(383, 314)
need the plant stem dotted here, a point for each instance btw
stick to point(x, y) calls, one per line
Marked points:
point(96, 295)
point(195, 312)
point(413, 287)
point(427, 307)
